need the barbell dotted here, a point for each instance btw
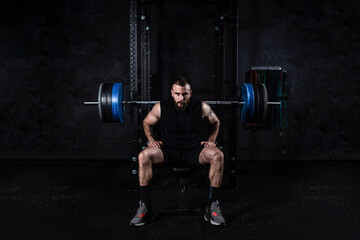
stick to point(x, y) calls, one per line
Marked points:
point(111, 102)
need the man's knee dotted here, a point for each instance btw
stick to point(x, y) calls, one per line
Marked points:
point(218, 156)
point(146, 157)
point(215, 155)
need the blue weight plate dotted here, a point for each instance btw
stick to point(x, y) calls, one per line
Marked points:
point(115, 102)
point(117, 96)
point(121, 105)
point(244, 97)
point(251, 104)
point(247, 96)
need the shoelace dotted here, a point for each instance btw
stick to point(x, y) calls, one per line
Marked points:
point(216, 207)
point(140, 210)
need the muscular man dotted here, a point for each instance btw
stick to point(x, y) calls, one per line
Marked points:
point(180, 120)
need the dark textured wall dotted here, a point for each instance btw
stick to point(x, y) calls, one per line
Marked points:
point(317, 43)
point(54, 55)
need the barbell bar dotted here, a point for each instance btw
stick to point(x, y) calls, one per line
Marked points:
point(208, 102)
point(111, 102)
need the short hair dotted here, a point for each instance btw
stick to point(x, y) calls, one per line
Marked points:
point(181, 81)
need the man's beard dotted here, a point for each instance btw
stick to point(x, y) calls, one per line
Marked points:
point(182, 106)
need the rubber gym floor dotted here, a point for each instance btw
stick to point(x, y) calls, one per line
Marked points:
point(93, 200)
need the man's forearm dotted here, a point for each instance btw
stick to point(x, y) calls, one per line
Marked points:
point(213, 132)
point(147, 131)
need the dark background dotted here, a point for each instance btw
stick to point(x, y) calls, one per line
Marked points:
point(55, 54)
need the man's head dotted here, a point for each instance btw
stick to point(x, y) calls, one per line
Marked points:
point(181, 93)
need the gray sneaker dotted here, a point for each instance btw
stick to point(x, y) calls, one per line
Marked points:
point(142, 216)
point(213, 214)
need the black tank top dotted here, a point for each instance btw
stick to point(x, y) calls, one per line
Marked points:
point(181, 130)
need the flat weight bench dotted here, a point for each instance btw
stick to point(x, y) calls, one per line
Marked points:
point(183, 174)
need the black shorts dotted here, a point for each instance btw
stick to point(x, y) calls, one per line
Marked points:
point(183, 156)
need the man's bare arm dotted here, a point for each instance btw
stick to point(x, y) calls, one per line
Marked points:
point(214, 123)
point(150, 120)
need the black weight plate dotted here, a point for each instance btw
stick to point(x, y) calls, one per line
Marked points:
point(261, 103)
point(103, 101)
point(99, 102)
point(256, 105)
point(109, 113)
point(106, 106)
point(263, 99)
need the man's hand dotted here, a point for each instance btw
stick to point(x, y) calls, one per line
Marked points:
point(208, 144)
point(156, 144)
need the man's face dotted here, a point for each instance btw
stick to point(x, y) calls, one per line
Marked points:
point(181, 96)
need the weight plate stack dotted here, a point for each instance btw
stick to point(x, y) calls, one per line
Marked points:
point(110, 97)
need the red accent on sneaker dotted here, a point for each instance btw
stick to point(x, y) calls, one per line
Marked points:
point(214, 213)
point(141, 215)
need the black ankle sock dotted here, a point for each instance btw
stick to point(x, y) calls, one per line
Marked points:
point(145, 195)
point(213, 194)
